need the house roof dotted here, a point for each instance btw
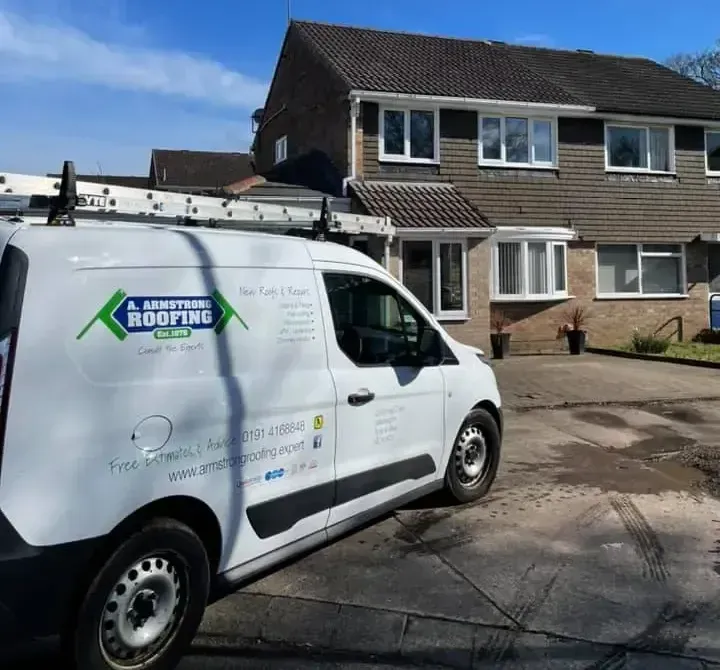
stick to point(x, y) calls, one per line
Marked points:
point(199, 169)
point(397, 62)
point(419, 205)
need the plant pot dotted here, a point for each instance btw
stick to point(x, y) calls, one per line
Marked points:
point(500, 343)
point(576, 341)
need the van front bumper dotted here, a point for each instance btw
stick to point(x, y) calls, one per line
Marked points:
point(38, 585)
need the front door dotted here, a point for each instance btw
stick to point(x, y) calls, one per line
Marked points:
point(390, 414)
point(714, 284)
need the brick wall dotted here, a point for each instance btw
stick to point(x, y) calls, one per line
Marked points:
point(611, 322)
point(307, 102)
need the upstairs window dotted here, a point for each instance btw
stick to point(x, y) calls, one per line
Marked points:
point(639, 148)
point(712, 152)
point(517, 141)
point(410, 135)
point(281, 149)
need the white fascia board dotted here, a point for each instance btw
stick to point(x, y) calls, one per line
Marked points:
point(389, 98)
point(443, 232)
point(549, 233)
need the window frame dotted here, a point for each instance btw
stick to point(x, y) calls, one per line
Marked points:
point(646, 127)
point(524, 240)
point(280, 151)
point(439, 314)
point(405, 157)
point(399, 298)
point(502, 162)
point(708, 171)
point(682, 255)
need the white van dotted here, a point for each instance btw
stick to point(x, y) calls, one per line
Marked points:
point(181, 409)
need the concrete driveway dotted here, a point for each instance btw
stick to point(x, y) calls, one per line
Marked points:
point(598, 549)
point(552, 381)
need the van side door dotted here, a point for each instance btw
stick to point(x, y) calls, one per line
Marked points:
point(390, 411)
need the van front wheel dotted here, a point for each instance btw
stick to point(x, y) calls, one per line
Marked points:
point(145, 605)
point(475, 457)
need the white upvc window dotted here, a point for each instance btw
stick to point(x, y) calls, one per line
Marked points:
point(641, 270)
point(532, 269)
point(517, 141)
point(639, 148)
point(410, 135)
point(281, 149)
point(712, 152)
point(435, 270)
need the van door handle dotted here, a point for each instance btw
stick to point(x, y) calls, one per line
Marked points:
point(360, 398)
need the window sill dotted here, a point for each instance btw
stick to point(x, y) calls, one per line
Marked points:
point(532, 298)
point(516, 166)
point(642, 296)
point(657, 173)
point(714, 175)
point(459, 316)
point(404, 160)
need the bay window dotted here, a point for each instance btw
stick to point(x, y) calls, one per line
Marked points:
point(627, 270)
point(409, 135)
point(639, 148)
point(529, 269)
point(436, 273)
point(516, 141)
point(712, 152)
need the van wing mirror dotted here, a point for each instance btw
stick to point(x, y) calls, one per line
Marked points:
point(430, 347)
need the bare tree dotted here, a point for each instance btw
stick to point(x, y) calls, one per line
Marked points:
point(703, 66)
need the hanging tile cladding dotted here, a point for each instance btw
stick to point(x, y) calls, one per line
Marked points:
point(601, 206)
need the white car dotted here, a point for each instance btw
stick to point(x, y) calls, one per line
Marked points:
point(181, 409)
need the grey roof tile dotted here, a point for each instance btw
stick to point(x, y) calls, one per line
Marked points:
point(419, 205)
point(398, 62)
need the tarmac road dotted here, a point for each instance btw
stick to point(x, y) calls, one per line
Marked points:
point(599, 548)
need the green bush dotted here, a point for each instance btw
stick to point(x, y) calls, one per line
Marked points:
point(648, 344)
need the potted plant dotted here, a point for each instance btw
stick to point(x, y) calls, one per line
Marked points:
point(573, 330)
point(499, 338)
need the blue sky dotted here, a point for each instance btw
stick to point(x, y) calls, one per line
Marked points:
point(102, 82)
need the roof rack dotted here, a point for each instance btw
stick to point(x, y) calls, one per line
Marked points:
point(66, 200)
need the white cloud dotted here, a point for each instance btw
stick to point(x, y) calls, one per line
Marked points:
point(34, 50)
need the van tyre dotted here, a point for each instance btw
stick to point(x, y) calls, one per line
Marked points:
point(145, 605)
point(475, 457)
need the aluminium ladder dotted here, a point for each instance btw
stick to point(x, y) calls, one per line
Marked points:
point(63, 200)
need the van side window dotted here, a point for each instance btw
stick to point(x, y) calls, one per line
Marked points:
point(13, 271)
point(374, 325)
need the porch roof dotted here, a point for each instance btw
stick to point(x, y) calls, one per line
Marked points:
point(419, 205)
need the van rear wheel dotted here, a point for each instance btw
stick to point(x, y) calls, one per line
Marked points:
point(475, 457)
point(145, 605)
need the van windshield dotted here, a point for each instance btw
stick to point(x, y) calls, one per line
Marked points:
point(13, 271)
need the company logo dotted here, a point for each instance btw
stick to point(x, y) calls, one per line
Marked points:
point(312, 465)
point(165, 317)
point(274, 474)
point(318, 422)
point(250, 481)
point(317, 441)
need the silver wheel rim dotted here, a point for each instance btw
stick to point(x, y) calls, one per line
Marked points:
point(142, 611)
point(471, 456)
